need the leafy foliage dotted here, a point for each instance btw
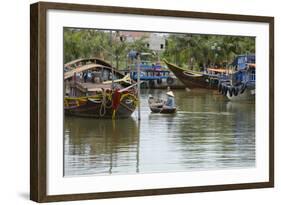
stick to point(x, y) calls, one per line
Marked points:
point(206, 50)
point(191, 50)
point(86, 43)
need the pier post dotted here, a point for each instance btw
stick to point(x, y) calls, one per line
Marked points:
point(111, 60)
point(138, 82)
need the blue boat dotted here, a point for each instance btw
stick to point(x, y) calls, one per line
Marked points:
point(241, 83)
point(153, 75)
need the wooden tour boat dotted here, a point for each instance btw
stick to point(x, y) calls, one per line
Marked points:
point(193, 79)
point(93, 90)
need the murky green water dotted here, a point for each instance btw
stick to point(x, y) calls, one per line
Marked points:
point(208, 132)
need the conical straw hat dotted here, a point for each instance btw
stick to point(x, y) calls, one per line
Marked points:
point(170, 93)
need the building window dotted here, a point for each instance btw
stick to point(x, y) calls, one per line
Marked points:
point(161, 46)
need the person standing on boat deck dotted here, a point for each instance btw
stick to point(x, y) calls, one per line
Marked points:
point(170, 103)
point(85, 76)
point(73, 84)
point(67, 87)
point(168, 88)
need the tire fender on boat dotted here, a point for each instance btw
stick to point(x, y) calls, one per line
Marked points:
point(244, 86)
point(170, 81)
point(230, 91)
point(236, 91)
point(151, 83)
point(220, 88)
point(159, 81)
point(144, 85)
point(225, 90)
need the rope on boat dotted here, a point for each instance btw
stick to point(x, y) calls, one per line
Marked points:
point(106, 102)
point(108, 99)
point(124, 105)
point(113, 114)
point(131, 99)
point(103, 104)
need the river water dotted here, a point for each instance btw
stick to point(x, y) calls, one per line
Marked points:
point(208, 132)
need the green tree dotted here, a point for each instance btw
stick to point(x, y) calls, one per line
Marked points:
point(196, 49)
point(86, 43)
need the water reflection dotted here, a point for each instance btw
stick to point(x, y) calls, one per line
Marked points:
point(208, 132)
point(99, 146)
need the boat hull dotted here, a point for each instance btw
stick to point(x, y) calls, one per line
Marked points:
point(163, 110)
point(193, 80)
point(99, 110)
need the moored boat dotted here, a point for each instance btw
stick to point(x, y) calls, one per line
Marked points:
point(193, 79)
point(153, 73)
point(241, 84)
point(94, 89)
point(102, 105)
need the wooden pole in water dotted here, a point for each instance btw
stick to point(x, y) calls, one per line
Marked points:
point(138, 82)
point(111, 60)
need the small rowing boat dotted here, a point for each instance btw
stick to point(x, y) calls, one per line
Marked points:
point(158, 106)
point(163, 110)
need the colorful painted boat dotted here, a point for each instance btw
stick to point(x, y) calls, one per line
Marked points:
point(92, 90)
point(105, 105)
point(242, 81)
point(153, 73)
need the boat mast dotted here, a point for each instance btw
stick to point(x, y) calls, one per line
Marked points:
point(111, 60)
point(138, 83)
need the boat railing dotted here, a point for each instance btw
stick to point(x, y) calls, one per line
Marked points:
point(152, 77)
point(252, 77)
point(146, 66)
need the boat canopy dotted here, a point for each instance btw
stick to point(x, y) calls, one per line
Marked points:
point(87, 67)
point(81, 69)
point(241, 61)
point(76, 62)
point(218, 70)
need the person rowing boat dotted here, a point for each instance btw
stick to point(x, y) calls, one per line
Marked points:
point(160, 106)
point(170, 102)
